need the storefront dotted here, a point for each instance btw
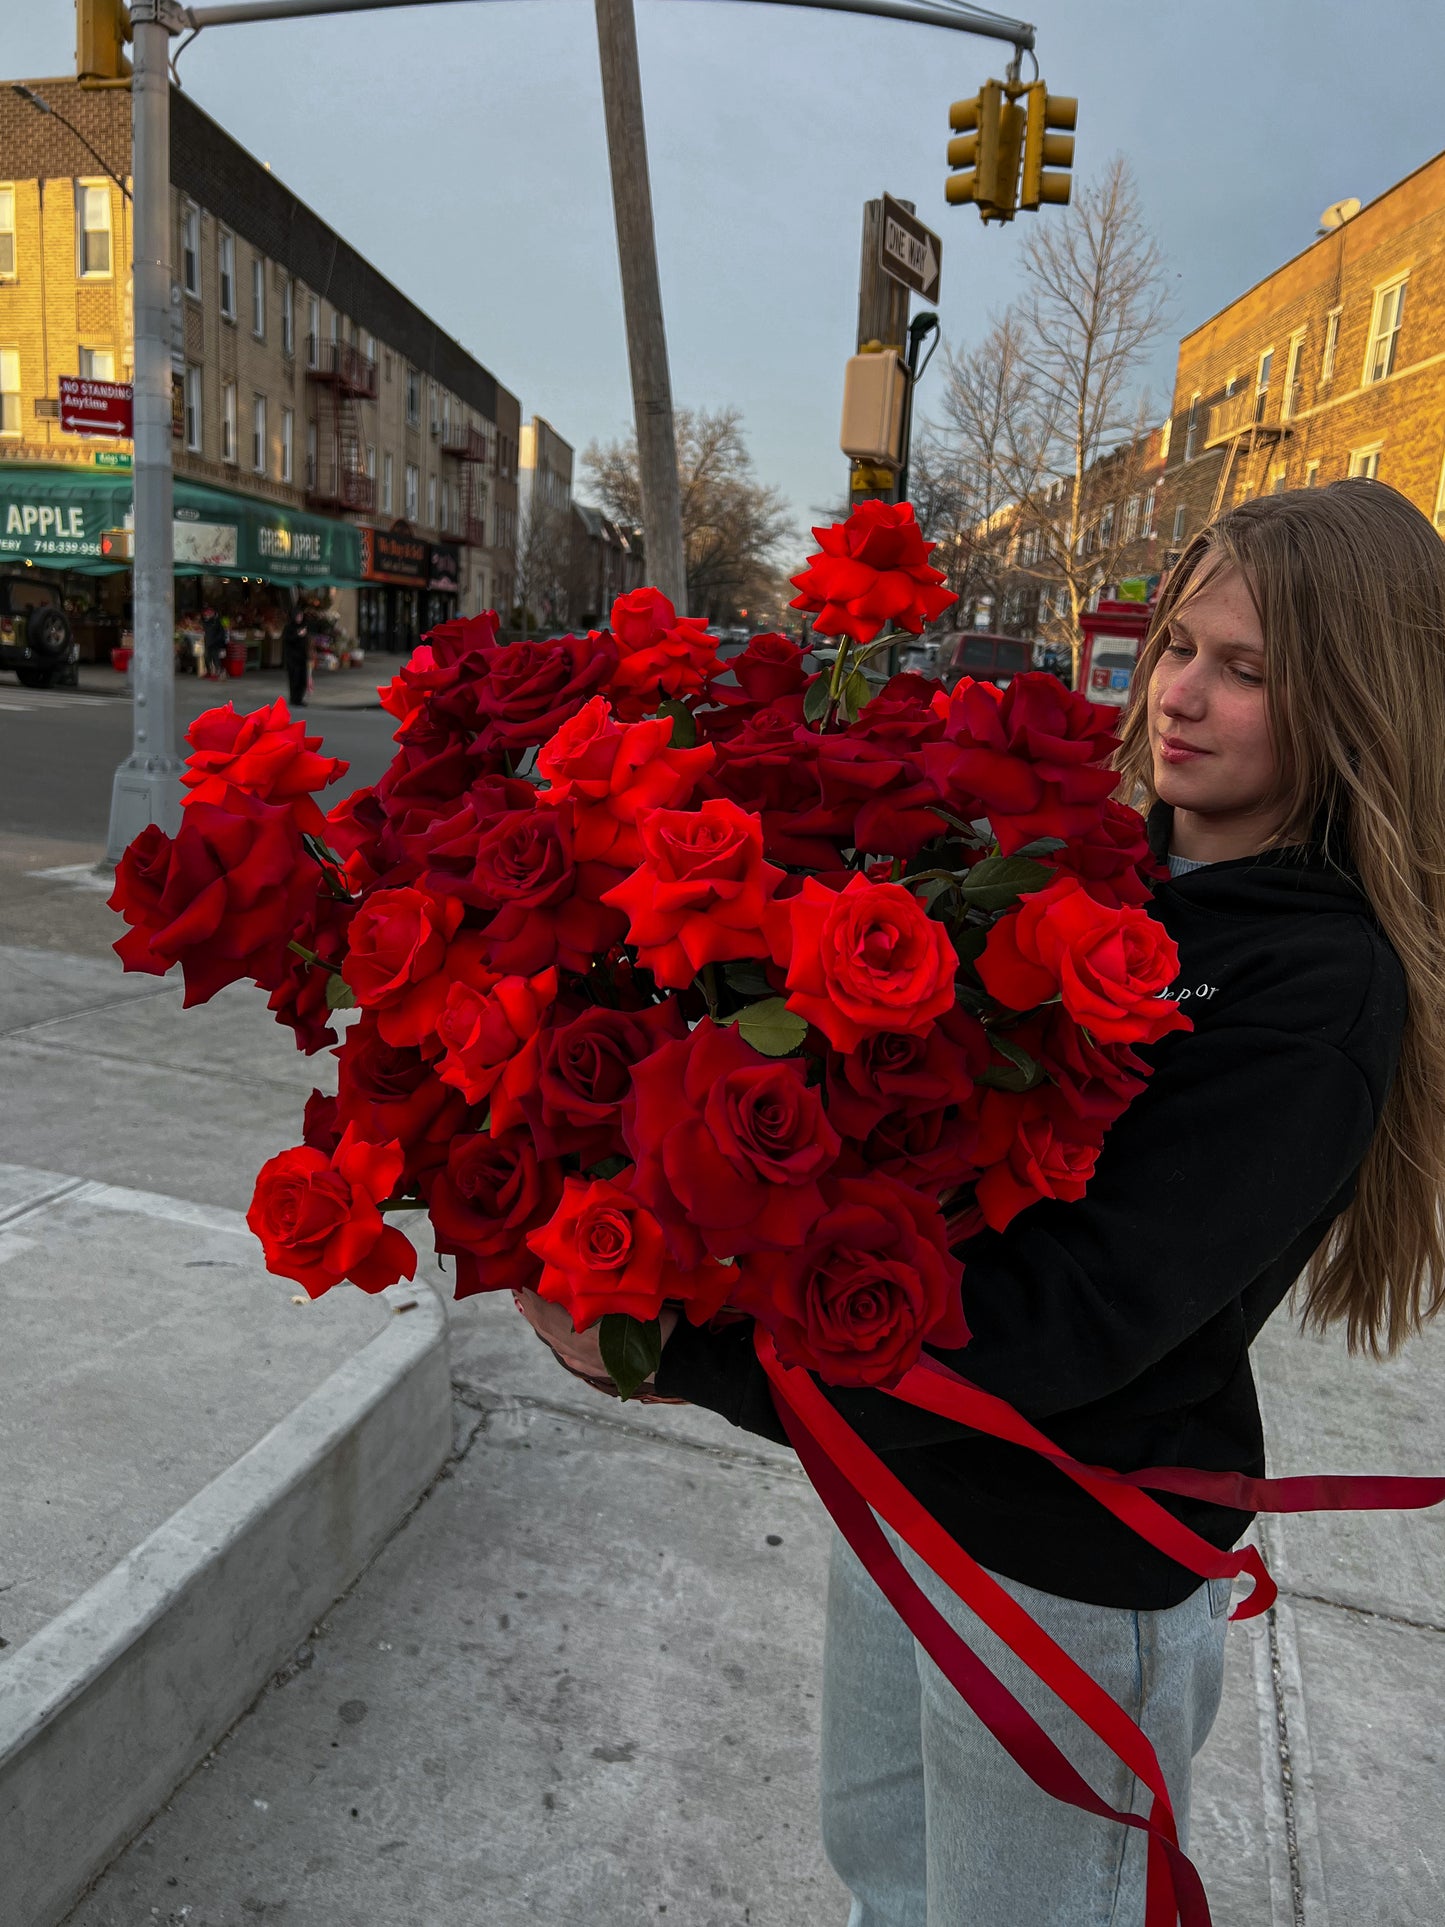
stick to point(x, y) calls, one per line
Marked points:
point(249, 558)
point(444, 582)
point(396, 567)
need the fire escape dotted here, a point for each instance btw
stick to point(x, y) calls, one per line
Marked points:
point(343, 378)
point(1237, 425)
point(471, 450)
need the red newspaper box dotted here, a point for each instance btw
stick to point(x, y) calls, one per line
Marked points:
point(1113, 636)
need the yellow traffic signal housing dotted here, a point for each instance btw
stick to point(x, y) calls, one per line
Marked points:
point(100, 28)
point(1045, 150)
point(987, 150)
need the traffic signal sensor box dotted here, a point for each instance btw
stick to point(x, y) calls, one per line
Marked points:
point(1006, 152)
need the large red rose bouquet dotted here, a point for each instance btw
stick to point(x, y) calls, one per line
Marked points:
point(750, 989)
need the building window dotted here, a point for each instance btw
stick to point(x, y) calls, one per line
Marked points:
point(1231, 382)
point(1332, 342)
point(7, 233)
point(258, 297)
point(335, 335)
point(9, 391)
point(1312, 474)
point(445, 522)
point(1191, 428)
point(312, 462)
point(413, 398)
point(228, 421)
point(1166, 434)
point(313, 329)
point(1276, 482)
point(1294, 377)
point(1384, 332)
point(1131, 518)
point(386, 494)
point(92, 228)
point(288, 316)
point(1150, 501)
point(226, 261)
point(288, 441)
point(1366, 461)
point(1106, 524)
point(191, 250)
point(258, 434)
point(413, 484)
point(193, 409)
point(431, 501)
point(368, 344)
point(1440, 500)
point(97, 364)
point(1178, 535)
point(1263, 372)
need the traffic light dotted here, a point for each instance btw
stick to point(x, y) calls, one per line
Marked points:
point(100, 28)
point(1044, 150)
point(990, 139)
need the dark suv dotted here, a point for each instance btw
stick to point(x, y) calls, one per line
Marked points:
point(35, 638)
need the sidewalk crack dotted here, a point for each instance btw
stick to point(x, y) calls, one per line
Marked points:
point(1365, 1612)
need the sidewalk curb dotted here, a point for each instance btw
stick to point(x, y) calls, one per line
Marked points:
point(105, 1711)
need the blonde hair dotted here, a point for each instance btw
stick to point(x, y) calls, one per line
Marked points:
point(1349, 586)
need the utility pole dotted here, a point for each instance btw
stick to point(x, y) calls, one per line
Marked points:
point(147, 785)
point(642, 301)
point(882, 318)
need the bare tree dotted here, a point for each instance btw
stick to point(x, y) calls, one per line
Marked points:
point(732, 524)
point(543, 563)
point(1044, 419)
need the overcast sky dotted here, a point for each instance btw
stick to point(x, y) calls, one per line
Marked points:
point(461, 149)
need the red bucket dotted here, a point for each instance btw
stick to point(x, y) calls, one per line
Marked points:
point(235, 657)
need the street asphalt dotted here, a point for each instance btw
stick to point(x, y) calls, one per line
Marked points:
point(578, 1687)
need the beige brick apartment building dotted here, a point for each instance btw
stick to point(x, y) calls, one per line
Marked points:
point(1333, 365)
point(318, 413)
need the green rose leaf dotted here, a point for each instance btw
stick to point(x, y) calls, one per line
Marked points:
point(1000, 881)
point(770, 1027)
point(684, 729)
point(969, 942)
point(815, 701)
point(339, 994)
point(857, 692)
point(631, 1349)
point(1020, 1073)
point(608, 1167)
point(1041, 846)
point(747, 979)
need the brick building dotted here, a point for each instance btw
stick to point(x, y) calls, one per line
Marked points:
point(315, 406)
point(1330, 366)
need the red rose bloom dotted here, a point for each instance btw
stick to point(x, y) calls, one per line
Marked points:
point(441, 678)
point(871, 570)
point(1110, 967)
point(388, 1091)
point(319, 1128)
point(612, 773)
point(481, 1030)
point(1107, 858)
point(872, 1284)
point(299, 1000)
point(1031, 1145)
point(317, 1219)
point(729, 1145)
point(529, 689)
point(1026, 757)
point(263, 753)
point(770, 668)
point(221, 900)
point(493, 1191)
point(931, 1151)
point(901, 1073)
point(546, 904)
point(661, 656)
point(603, 1252)
point(701, 892)
point(1098, 1081)
point(398, 947)
point(875, 795)
point(862, 959)
point(770, 766)
point(578, 1074)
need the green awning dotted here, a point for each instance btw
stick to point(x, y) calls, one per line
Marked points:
point(55, 518)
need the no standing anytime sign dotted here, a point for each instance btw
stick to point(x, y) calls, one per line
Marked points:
point(95, 407)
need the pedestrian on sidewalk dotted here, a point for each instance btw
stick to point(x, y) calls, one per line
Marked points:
point(214, 642)
point(1284, 733)
point(296, 656)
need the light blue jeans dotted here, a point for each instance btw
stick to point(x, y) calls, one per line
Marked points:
point(927, 1820)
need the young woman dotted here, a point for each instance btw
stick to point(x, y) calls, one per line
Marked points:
point(1285, 733)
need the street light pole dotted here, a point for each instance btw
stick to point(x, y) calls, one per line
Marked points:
point(147, 784)
point(642, 301)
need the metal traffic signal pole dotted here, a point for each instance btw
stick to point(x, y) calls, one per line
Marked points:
point(147, 785)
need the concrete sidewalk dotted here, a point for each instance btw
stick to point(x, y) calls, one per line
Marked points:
point(331, 689)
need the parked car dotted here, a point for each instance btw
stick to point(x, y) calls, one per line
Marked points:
point(35, 637)
point(969, 652)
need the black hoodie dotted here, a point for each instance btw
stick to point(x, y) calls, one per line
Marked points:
point(1121, 1324)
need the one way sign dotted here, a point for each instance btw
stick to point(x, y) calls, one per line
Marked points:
point(910, 252)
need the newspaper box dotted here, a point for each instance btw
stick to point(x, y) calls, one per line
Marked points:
point(1113, 636)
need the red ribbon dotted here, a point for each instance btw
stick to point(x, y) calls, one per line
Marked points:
point(854, 1484)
